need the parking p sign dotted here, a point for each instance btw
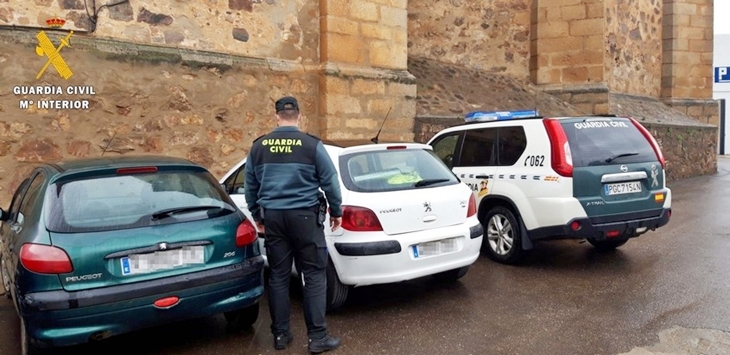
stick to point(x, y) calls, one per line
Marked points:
point(722, 74)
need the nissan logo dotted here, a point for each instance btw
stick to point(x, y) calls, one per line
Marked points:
point(624, 168)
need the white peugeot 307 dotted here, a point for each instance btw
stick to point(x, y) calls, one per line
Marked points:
point(405, 215)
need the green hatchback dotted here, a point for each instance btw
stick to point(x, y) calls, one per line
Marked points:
point(97, 247)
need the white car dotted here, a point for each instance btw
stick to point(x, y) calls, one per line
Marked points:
point(405, 215)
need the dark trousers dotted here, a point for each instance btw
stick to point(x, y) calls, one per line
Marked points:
point(294, 235)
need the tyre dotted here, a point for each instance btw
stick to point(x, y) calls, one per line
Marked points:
point(607, 245)
point(5, 278)
point(243, 318)
point(451, 275)
point(336, 291)
point(503, 238)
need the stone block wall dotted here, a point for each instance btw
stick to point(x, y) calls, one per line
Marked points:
point(283, 29)
point(633, 47)
point(567, 42)
point(491, 35)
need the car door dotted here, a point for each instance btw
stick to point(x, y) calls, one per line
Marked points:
point(234, 184)
point(475, 160)
point(10, 228)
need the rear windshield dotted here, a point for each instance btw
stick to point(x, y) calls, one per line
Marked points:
point(394, 170)
point(606, 141)
point(115, 202)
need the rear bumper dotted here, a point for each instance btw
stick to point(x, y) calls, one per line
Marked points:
point(599, 230)
point(60, 318)
point(361, 262)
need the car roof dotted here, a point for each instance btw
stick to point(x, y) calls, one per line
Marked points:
point(346, 143)
point(97, 163)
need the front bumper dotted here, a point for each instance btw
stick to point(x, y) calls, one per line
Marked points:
point(61, 318)
point(610, 227)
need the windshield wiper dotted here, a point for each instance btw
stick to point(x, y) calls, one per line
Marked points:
point(171, 211)
point(620, 156)
point(428, 182)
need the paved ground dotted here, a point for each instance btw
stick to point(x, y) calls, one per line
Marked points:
point(665, 293)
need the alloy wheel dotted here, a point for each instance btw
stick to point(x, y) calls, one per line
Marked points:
point(499, 234)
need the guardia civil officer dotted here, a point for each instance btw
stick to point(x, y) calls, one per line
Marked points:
point(284, 171)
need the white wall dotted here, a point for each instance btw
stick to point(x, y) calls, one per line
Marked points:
point(721, 90)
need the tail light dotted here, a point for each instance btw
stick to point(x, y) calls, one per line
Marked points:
point(651, 140)
point(245, 234)
point(472, 210)
point(360, 219)
point(560, 155)
point(45, 259)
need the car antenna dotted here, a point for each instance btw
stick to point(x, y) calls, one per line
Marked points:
point(375, 139)
point(108, 143)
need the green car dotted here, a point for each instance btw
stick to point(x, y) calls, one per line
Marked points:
point(93, 248)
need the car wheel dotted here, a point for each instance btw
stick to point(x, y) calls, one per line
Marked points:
point(503, 239)
point(451, 275)
point(336, 291)
point(607, 245)
point(5, 277)
point(242, 318)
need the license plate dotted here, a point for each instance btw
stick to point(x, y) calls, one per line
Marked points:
point(162, 260)
point(434, 248)
point(622, 188)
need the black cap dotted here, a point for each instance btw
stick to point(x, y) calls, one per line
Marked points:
point(287, 103)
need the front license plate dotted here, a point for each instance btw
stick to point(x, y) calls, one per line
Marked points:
point(434, 248)
point(622, 188)
point(162, 260)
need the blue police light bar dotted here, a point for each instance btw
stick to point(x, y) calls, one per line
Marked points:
point(483, 116)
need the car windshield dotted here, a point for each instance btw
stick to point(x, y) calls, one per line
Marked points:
point(394, 170)
point(606, 141)
point(113, 202)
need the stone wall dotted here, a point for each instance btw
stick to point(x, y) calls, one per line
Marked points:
point(633, 47)
point(204, 107)
point(492, 35)
point(284, 29)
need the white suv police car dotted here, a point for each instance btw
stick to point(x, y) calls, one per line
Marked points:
point(599, 178)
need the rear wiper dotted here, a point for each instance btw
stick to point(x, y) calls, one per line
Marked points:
point(171, 211)
point(620, 156)
point(428, 182)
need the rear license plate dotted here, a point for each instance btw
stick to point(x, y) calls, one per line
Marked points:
point(162, 260)
point(622, 188)
point(434, 248)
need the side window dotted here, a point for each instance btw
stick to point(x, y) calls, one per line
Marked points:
point(15, 204)
point(446, 148)
point(234, 183)
point(478, 148)
point(512, 143)
point(32, 195)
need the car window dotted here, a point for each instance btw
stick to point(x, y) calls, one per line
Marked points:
point(606, 141)
point(234, 184)
point(478, 147)
point(14, 209)
point(446, 147)
point(129, 201)
point(512, 143)
point(30, 197)
point(394, 170)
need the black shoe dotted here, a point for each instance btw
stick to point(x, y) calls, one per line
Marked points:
point(327, 343)
point(281, 341)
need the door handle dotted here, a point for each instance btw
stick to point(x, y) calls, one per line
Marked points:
point(481, 176)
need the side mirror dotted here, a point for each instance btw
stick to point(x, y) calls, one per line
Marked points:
point(223, 186)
